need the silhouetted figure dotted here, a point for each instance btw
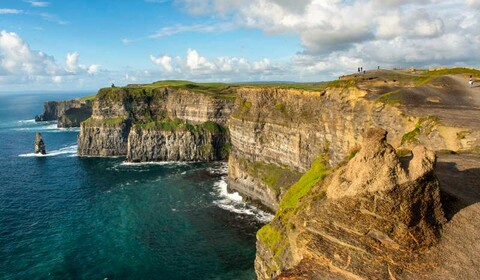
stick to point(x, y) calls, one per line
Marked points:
point(364, 72)
point(358, 69)
point(378, 68)
point(113, 85)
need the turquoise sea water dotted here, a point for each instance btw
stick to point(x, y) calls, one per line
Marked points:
point(66, 217)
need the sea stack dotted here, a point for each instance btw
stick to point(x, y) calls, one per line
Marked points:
point(39, 144)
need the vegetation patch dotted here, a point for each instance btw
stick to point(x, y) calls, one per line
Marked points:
point(281, 107)
point(269, 236)
point(180, 125)
point(302, 187)
point(107, 122)
point(390, 98)
point(424, 124)
point(88, 98)
point(276, 177)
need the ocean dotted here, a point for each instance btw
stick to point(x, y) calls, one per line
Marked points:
point(67, 217)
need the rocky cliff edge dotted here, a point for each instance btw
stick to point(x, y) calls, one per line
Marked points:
point(370, 219)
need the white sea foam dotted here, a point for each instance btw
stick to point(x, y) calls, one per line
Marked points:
point(27, 121)
point(125, 163)
point(70, 150)
point(233, 202)
point(48, 126)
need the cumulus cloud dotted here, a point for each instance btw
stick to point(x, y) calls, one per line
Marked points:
point(194, 65)
point(389, 32)
point(20, 64)
point(164, 61)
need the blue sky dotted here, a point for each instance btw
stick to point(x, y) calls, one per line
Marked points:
point(59, 45)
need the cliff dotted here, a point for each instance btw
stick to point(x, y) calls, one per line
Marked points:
point(288, 128)
point(170, 120)
point(69, 113)
point(371, 218)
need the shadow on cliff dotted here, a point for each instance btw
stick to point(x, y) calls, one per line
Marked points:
point(459, 188)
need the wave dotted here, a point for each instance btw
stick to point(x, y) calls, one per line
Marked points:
point(70, 151)
point(233, 202)
point(126, 163)
point(26, 121)
point(47, 126)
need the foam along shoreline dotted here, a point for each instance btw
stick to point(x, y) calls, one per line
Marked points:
point(233, 202)
point(44, 126)
point(126, 163)
point(70, 150)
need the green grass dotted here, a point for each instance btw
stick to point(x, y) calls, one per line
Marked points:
point(107, 122)
point(424, 124)
point(304, 86)
point(389, 98)
point(272, 239)
point(88, 98)
point(297, 191)
point(276, 177)
point(427, 76)
point(179, 125)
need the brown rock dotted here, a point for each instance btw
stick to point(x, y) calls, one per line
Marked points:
point(373, 223)
point(39, 144)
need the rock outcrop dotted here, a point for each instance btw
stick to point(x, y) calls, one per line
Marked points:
point(73, 117)
point(39, 147)
point(189, 143)
point(68, 113)
point(157, 124)
point(290, 128)
point(371, 219)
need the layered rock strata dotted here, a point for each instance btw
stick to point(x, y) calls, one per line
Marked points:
point(183, 144)
point(69, 113)
point(73, 117)
point(156, 124)
point(290, 128)
point(370, 219)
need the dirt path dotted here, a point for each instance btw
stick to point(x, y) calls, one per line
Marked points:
point(458, 254)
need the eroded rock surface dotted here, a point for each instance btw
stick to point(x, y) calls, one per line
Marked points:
point(371, 219)
point(39, 147)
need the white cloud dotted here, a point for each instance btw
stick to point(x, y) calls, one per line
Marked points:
point(4, 11)
point(400, 32)
point(202, 28)
point(92, 69)
point(198, 64)
point(16, 58)
point(72, 62)
point(164, 61)
point(194, 65)
point(19, 64)
point(38, 4)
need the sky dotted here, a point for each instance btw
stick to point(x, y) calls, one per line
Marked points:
point(85, 45)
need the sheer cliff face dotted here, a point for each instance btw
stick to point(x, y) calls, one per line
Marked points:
point(371, 218)
point(146, 145)
point(156, 124)
point(290, 128)
point(54, 110)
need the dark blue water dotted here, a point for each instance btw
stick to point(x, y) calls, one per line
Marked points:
point(65, 217)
